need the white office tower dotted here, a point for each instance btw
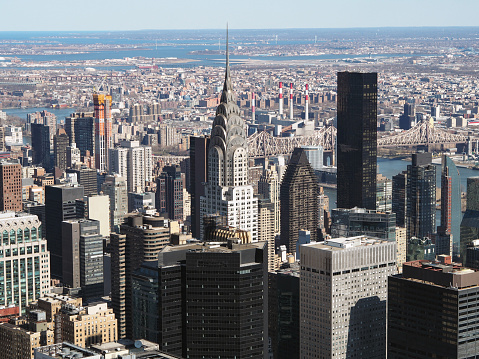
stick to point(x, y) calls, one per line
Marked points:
point(343, 297)
point(116, 188)
point(133, 162)
point(227, 192)
point(315, 156)
point(118, 158)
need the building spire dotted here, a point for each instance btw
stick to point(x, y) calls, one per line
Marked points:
point(227, 95)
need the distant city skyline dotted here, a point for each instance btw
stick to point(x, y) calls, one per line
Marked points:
point(155, 15)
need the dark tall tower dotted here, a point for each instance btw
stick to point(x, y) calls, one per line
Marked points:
point(41, 145)
point(205, 310)
point(198, 176)
point(408, 118)
point(169, 192)
point(60, 144)
point(399, 198)
point(357, 139)
point(299, 200)
point(421, 197)
point(60, 205)
point(80, 128)
point(470, 222)
point(444, 295)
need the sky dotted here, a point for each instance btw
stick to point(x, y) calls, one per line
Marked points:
point(111, 15)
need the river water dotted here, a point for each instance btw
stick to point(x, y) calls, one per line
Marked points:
point(391, 167)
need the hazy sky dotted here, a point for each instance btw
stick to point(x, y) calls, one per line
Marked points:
point(29, 15)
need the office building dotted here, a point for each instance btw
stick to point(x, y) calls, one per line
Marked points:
point(216, 312)
point(96, 207)
point(10, 186)
point(350, 276)
point(268, 188)
point(24, 260)
point(141, 201)
point(169, 192)
point(399, 198)
point(401, 242)
point(227, 191)
point(81, 325)
point(266, 231)
point(82, 249)
point(17, 343)
point(198, 175)
point(73, 155)
point(41, 145)
point(299, 200)
point(80, 129)
point(144, 300)
point(60, 144)
point(430, 310)
point(115, 187)
point(421, 197)
point(472, 255)
point(408, 118)
point(357, 139)
point(470, 222)
point(384, 194)
point(448, 233)
point(60, 205)
point(119, 161)
point(141, 239)
point(315, 156)
point(13, 135)
point(87, 178)
point(103, 130)
point(359, 221)
point(134, 162)
point(283, 312)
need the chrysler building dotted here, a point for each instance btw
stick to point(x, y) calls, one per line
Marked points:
point(227, 192)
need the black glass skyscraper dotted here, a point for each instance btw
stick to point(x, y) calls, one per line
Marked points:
point(421, 196)
point(357, 139)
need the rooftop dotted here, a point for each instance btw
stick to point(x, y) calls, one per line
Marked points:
point(344, 243)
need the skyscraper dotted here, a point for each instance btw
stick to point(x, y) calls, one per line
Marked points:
point(41, 145)
point(198, 175)
point(169, 192)
point(343, 297)
point(24, 260)
point(206, 285)
point(87, 178)
point(470, 222)
point(357, 139)
point(60, 205)
point(268, 187)
point(10, 186)
point(408, 118)
point(444, 294)
point(83, 256)
point(80, 128)
point(399, 198)
point(133, 162)
point(60, 144)
point(227, 192)
point(299, 200)
point(103, 130)
point(448, 233)
point(141, 239)
point(421, 197)
point(115, 187)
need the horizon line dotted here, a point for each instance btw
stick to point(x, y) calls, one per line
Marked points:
point(256, 29)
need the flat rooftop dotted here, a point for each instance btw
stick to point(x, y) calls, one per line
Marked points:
point(344, 243)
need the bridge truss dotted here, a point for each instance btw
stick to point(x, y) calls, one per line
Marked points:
point(263, 144)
